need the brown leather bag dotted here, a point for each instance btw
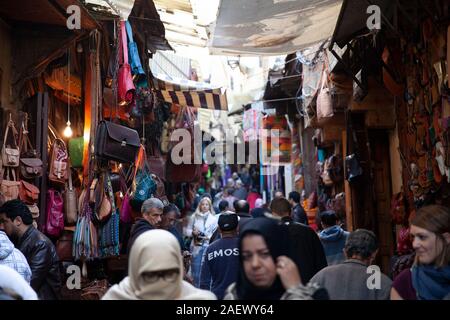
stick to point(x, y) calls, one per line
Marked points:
point(9, 186)
point(10, 150)
point(64, 246)
point(70, 204)
point(28, 192)
point(59, 168)
point(30, 164)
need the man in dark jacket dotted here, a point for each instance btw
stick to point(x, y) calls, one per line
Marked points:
point(221, 260)
point(152, 210)
point(298, 213)
point(16, 220)
point(168, 219)
point(242, 209)
point(304, 244)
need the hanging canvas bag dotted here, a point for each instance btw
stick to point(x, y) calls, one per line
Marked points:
point(125, 80)
point(324, 100)
point(70, 203)
point(76, 148)
point(10, 150)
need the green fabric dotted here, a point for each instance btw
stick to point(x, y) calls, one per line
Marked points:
point(76, 146)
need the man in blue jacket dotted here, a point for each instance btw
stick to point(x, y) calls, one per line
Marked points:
point(221, 259)
point(333, 238)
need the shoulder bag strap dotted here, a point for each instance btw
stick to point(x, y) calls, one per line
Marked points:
point(124, 42)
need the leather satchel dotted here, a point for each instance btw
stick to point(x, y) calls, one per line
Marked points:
point(125, 79)
point(28, 192)
point(10, 151)
point(116, 142)
point(34, 209)
point(70, 204)
point(30, 164)
point(55, 216)
point(9, 186)
point(58, 171)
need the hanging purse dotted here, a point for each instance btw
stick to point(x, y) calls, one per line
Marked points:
point(55, 216)
point(58, 170)
point(70, 203)
point(9, 186)
point(10, 150)
point(28, 192)
point(34, 209)
point(125, 80)
point(30, 164)
point(117, 143)
point(324, 102)
point(109, 231)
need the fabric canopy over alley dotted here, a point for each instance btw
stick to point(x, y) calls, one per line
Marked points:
point(272, 27)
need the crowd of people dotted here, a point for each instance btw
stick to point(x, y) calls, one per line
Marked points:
point(236, 247)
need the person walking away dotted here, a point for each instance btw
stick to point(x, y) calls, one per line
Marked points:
point(252, 197)
point(266, 272)
point(155, 272)
point(223, 206)
point(298, 213)
point(36, 247)
point(240, 192)
point(221, 260)
point(152, 210)
point(242, 209)
point(12, 257)
point(304, 244)
point(259, 210)
point(350, 280)
point(333, 238)
point(429, 277)
point(202, 226)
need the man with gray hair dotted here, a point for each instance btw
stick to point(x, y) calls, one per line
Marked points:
point(151, 210)
point(356, 278)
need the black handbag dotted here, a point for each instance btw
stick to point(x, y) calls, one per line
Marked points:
point(117, 143)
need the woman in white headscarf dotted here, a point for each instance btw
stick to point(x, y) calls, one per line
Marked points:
point(156, 272)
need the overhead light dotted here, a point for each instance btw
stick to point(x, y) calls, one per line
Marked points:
point(68, 130)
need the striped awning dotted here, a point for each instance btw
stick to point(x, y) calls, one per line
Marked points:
point(190, 93)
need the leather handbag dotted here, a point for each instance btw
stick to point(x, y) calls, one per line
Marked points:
point(30, 164)
point(70, 204)
point(58, 170)
point(125, 80)
point(135, 60)
point(64, 246)
point(9, 186)
point(76, 150)
point(10, 150)
point(55, 216)
point(324, 102)
point(116, 142)
point(28, 192)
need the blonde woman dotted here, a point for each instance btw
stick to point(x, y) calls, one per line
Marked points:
point(201, 227)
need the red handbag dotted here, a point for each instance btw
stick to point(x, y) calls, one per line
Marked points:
point(55, 213)
point(126, 86)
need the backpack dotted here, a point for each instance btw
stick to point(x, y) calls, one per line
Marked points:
point(55, 213)
point(58, 172)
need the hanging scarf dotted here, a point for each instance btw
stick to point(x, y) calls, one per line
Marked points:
point(430, 282)
point(275, 237)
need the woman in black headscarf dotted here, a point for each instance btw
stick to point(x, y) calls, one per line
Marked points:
point(266, 272)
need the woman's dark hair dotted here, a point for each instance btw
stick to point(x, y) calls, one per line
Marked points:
point(361, 243)
point(436, 219)
point(16, 208)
